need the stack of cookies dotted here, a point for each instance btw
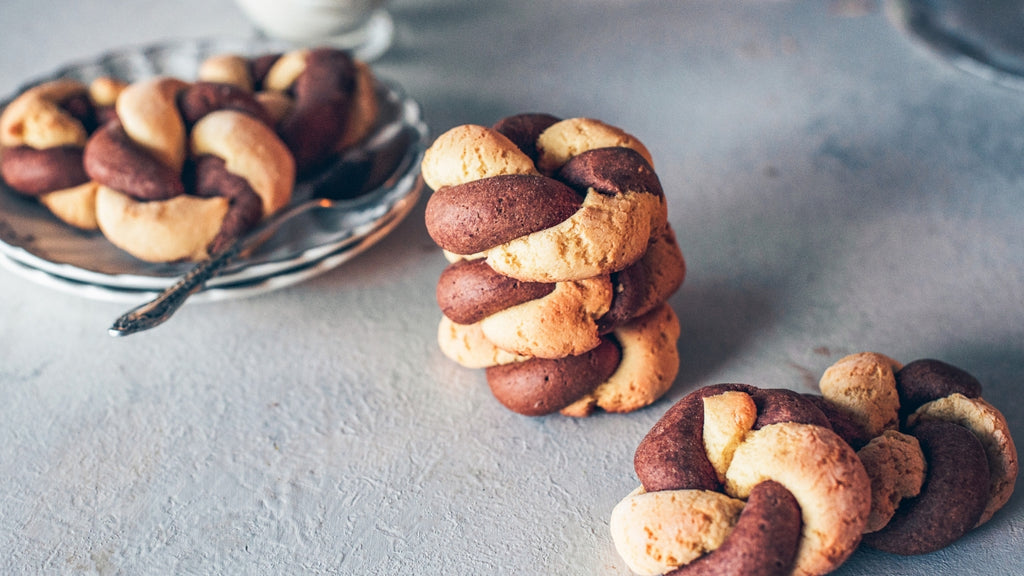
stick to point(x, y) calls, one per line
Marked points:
point(561, 263)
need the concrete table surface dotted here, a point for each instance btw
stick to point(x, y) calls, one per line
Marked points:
point(834, 186)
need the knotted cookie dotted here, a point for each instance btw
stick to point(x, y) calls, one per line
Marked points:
point(561, 263)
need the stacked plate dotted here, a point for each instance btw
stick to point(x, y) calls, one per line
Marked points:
point(37, 246)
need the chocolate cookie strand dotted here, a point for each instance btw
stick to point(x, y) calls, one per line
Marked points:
point(524, 130)
point(202, 98)
point(538, 386)
point(923, 381)
point(611, 171)
point(212, 179)
point(35, 172)
point(323, 94)
point(481, 214)
point(469, 291)
point(671, 456)
point(114, 159)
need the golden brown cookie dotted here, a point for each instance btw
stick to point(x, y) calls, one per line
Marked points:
point(863, 387)
point(466, 345)
point(942, 461)
point(566, 139)
point(42, 137)
point(562, 323)
point(594, 214)
point(322, 100)
point(655, 531)
point(897, 469)
point(805, 495)
point(470, 152)
point(186, 168)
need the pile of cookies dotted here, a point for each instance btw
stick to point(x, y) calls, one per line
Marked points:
point(171, 170)
point(561, 263)
point(741, 480)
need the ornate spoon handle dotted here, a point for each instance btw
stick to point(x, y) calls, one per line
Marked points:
point(158, 310)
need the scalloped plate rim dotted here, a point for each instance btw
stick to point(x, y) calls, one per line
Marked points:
point(367, 211)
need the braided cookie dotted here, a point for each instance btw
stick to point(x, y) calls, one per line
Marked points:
point(42, 137)
point(630, 368)
point(553, 320)
point(741, 480)
point(941, 458)
point(323, 101)
point(738, 480)
point(186, 168)
point(587, 203)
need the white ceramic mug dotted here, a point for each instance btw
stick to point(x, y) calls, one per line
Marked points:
point(350, 24)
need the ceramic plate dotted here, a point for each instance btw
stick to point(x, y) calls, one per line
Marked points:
point(384, 168)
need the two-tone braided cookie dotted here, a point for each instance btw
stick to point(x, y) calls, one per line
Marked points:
point(323, 101)
point(941, 458)
point(562, 261)
point(185, 168)
point(553, 320)
point(741, 480)
point(587, 204)
point(43, 133)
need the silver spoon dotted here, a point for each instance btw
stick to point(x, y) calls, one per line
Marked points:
point(389, 155)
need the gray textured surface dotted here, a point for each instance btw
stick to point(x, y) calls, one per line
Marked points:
point(834, 188)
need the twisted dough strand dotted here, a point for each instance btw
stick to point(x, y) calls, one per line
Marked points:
point(807, 495)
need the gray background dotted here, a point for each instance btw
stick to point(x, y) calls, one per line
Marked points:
point(835, 188)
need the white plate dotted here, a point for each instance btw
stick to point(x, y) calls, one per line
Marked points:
point(243, 288)
point(35, 241)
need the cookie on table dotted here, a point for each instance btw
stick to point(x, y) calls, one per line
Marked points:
point(941, 458)
point(737, 479)
point(561, 263)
